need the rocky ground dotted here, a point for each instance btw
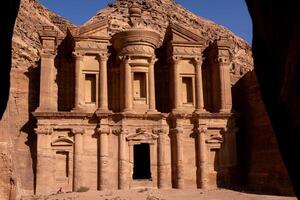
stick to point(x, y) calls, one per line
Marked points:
point(148, 194)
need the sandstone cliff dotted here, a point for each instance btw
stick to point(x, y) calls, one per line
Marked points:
point(17, 137)
point(16, 128)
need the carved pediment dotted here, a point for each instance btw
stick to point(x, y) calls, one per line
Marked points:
point(62, 141)
point(214, 140)
point(95, 29)
point(141, 135)
point(180, 34)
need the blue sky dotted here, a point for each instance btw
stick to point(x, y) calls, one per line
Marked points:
point(232, 14)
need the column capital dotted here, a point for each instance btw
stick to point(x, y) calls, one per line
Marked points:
point(78, 130)
point(103, 57)
point(202, 129)
point(223, 60)
point(44, 130)
point(197, 61)
point(104, 130)
point(125, 58)
point(177, 130)
point(77, 55)
point(153, 60)
point(158, 131)
point(175, 59)
point(120, 131)
point(45, 53)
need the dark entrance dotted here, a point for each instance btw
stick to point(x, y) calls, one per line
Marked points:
point(141, 168)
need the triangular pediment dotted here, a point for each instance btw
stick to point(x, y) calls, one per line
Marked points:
point(182, 35)
point(141, 135)
point(95, 29)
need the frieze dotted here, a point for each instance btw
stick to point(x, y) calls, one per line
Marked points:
point(137, 49)
point(191, 51)
point(88, 45)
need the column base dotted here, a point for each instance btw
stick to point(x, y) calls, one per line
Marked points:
point(177, 111)
point(200, 111)
point(150, 111)
point(103, 111)
point(78, 109)
point(128, 111)
point(225, 111)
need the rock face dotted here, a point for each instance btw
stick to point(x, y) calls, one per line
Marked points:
point(17, 135)
point(17, 138)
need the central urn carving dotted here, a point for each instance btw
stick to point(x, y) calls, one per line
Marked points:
point(136, 49)
point(137, 40)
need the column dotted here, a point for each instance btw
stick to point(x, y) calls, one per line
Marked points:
point(44, 167)
point(103, 95)
point(79, 83)
point(162, 181)
point(179, 153)
point(78, 162)
point(202, 159)
point(152, 106)
point(199, 86)
point(103, 170)
point(176, 82)
point(225, 84)
point(48, 94)
point(127, 86)
point(48, 87)
point(122, 176)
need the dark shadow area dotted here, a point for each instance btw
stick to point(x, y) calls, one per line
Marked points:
point(260, 167)
point(276, 51)
point(65, 65)
point(33, 75)
point(8, 16)
point(162, 82)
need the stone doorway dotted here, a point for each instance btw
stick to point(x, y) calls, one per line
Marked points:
point(141, 168)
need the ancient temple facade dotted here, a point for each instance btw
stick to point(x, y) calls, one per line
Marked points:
point(134, 109)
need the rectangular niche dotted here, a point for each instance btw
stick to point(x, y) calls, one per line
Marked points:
point(62, 165)
point(139, 85)
point(187, 90)
point(90, 88)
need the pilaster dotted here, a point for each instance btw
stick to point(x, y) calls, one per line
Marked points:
point(79, 82)
point(177, 101)
point(48, 86)
point(103, 168)
point(199, 86)
point(78, 180)
point(44, 168)
point(202, 181)
point(103, 94)
point(152, 103)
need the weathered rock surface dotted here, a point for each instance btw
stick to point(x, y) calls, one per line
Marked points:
point(17, 137)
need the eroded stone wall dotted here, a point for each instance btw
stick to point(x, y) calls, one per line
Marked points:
point(260, 163)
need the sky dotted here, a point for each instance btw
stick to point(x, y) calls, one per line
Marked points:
point(232, 14)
